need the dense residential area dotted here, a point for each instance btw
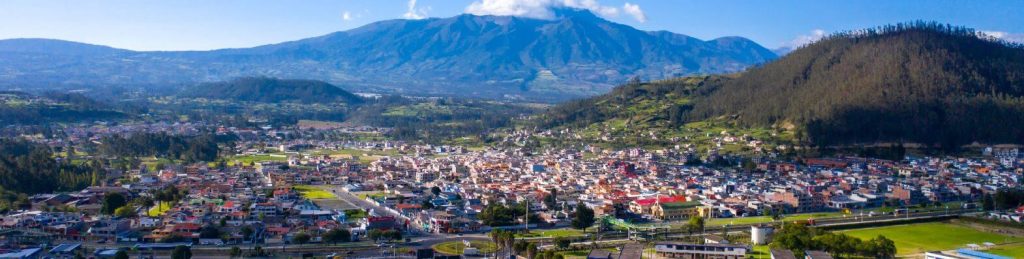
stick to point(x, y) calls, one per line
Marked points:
point(274, 189)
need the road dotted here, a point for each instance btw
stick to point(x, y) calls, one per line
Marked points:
point(354, 200)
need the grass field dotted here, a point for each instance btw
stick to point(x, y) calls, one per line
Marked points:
point(920, 238)
point(257, 158)
point(562, 232)
point(313, 192)
point(765, 219)
point(1015, 250)
point(159, 209)
point(456, 247)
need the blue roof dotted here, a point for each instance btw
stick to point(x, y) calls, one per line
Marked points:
point(978, 254)
point(23, 253)
point(65, 248)
point(162, 245)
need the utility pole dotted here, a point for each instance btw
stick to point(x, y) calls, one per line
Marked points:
point(527, 216)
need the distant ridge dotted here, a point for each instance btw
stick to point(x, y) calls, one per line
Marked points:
point(576, 54)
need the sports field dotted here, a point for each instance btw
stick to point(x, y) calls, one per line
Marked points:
point(313, 192)
point(936, 236)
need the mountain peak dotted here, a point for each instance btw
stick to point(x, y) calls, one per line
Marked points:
point(574, 13)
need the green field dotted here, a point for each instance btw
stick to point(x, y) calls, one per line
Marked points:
point(1015, 250)
point(313, 192)
point(456, 247)
point(936, 236)
point(563, 232)
point(766, 219)
point(257, 158)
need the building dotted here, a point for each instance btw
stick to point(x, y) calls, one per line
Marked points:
point(675, 210)
point(760, 235)
point(782, 254)
point(698, 251)
point(814, 254)
point(962, 254)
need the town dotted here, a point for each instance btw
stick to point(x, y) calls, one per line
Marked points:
point(293, 191)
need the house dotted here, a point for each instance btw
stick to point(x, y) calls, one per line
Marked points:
point(813, 254)
point(782, 254)
point(688, 250)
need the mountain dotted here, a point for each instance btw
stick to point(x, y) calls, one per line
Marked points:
point(923, 83)
point(575, 54)
point(272, 90)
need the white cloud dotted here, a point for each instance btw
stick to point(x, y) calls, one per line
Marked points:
point(1010, 37)
point(803, 40)
point(542, 9)
point(412, 12)
point(347, 16)
point(634, 10)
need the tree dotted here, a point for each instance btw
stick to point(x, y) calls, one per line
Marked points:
point(121, 254)
point(125, 211)
point(181, 252)
point(795, 237)
point(882, 247)
point(426, 204)
point(301, 238)
point(584, 217)
point(235, 251)
point(696, 223)
point(209, 231)
point(551, 200)
point(987, 203)
point(337, 235)
point(435, 190)
point(247, 232)
point(531, 251)
point(562, 242)
point(111, 202)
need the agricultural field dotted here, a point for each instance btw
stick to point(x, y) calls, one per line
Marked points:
point(936, 236)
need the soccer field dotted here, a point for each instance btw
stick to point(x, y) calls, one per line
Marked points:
point(936, 236)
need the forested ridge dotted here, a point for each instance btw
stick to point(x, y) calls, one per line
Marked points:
point(273, 90)
point(23, 108)
point(927, 83)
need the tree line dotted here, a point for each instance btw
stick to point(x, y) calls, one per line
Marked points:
point(186, 148)
point(30, 168)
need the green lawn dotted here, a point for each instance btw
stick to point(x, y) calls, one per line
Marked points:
point(562, 232)
point(456, 247)
point(923, 237)
point(313, 192)
point(159, 209)
point(1015, 250)
point(763, 219)
point(255, 159)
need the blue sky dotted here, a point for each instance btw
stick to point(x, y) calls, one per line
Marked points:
point(211, 24)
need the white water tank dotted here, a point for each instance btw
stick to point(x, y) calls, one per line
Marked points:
point(760, 235)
